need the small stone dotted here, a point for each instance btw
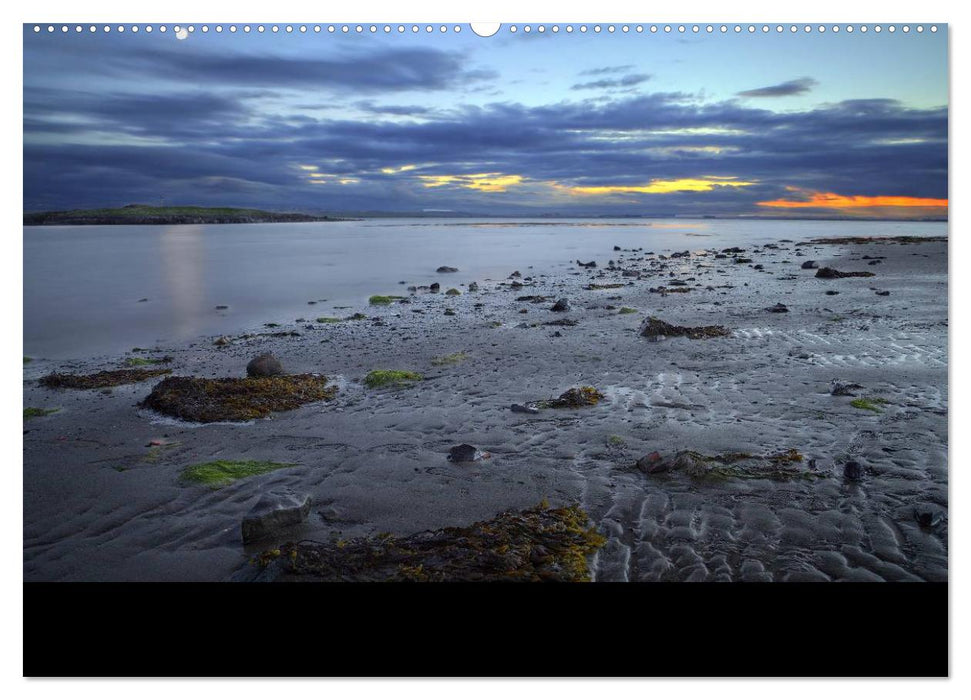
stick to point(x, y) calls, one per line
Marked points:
point(464, 453)
point(652, 463)
point(561, 305)
point(831, 292)
point(473, 286)
point(453, 292)
point(853, 471)
point(883, 294)
point(809, 265)
point(779, 309)
point(221, 307)
point(220, 341)
point(275, 509)
point(435, 286)
point(927, 517)
point(265, 365)
point(523, 408)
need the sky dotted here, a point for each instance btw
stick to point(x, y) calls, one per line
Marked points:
point(580, 124)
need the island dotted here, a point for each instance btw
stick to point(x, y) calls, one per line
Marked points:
point(142, 214)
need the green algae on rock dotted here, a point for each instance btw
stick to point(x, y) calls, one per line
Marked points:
point(626, 310)
point(390, 377)
point(221, 472)
point(235, 399)
point(382, 300)
point(34, 412)
point(536, 544)
point(145, 361)
point(868, 404)
point(100, 380)
point(452, 359)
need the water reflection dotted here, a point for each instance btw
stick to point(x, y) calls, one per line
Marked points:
point(183, 262)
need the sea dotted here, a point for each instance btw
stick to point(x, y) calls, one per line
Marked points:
point(92, 291)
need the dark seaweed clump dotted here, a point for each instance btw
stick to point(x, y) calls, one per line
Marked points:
point(100, 380)
point(830, 273)
point(537, 544)
point(780, 466)
point(574, 398)
point(235, 399)
point(655, 327)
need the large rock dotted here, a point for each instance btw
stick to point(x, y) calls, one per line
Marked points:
point(561, 305)
point(275, 510)
point(465, 453)
point(265, 365)
point(809, 265)
point(446, 268)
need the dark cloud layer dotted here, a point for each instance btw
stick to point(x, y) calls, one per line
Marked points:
point(273, 121)
point(791, 87)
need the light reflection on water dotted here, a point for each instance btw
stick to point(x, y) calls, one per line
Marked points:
point(82, 284)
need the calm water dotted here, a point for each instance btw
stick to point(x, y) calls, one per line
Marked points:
point(83, 284)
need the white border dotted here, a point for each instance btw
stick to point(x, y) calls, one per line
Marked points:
point(707, 11)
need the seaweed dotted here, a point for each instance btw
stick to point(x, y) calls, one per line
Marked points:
point(626, 310)
point(382, 300)
point(615, 285)
point(235, 399)
point(33, 412)
point(329, 319)
point(100, 380)
point(779, 466)
point(655, 328)
point(868, 404)
point(144, 361)
point(221, 472)
point(452, 359)
point(536, 544)
point(390, 377)
point(573, 398)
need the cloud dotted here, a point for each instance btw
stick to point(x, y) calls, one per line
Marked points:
point(607, 70)
point(626, 81)
point(792, 87)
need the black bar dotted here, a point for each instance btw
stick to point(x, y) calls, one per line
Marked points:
point(457, 630)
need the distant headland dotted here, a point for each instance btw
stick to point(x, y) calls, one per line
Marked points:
point(141, 214)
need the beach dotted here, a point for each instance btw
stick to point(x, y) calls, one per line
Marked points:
point(104, 499)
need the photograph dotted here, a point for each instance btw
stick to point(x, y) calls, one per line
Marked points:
point(407, 303)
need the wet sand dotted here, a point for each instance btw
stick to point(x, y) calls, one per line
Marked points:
point(101, 505)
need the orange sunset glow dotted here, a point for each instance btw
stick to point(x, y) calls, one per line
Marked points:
point(831, 200)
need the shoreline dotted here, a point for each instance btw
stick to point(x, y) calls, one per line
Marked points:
point(102, 503)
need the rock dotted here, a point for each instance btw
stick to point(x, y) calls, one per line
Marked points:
point(733, 250)
point(829, 273)
point(809, 265)
point(465, 453)
point(685, 254)
point(275, 509)
point(831, 292)
point(446, 268)
point(265, 365)
point(221, 307)
point(928, 517)
point(449, 312)
point(561, 305)
point(473, 286)
point(853, 471)
point(883, 294)
point(616, 247)
point(515, 275)
point(435, 286)
point(221, 341)
point(592, 263)
point(652, 463)
point(453, 292)
point(143, 300)
point(778, 309)
point(838, 388)
point(523, 408)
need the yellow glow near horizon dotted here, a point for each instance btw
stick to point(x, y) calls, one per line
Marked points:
point(685, 184)
point(402, 169)
point(308, 167)
point(483, 182)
